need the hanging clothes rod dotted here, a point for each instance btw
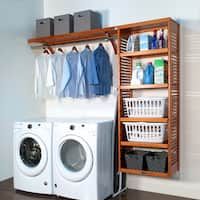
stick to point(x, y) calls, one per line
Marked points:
point(37, 46)
point(86, 36)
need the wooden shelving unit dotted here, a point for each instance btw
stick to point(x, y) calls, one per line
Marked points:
point(119, 34)
point(125, 61)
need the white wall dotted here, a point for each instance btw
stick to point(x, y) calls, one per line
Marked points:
point(16, 73)
point(188, 14)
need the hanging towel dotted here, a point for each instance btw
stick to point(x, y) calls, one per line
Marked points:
point(41, 68)
point(91, 78)
point(104, 71)
point(74, 84)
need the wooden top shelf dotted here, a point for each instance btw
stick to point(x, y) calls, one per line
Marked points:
point(144, 145)
point(144, 119)
point(93, 34)
point(146, 173)
point(144, 86)
point(146, 53)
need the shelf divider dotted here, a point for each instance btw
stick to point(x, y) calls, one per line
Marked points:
point(144, 86)
point(145, 53)
point(144, 144)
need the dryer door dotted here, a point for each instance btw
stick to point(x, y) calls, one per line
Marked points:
point(74, 158)
point(31, 155)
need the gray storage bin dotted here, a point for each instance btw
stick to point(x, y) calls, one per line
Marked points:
point(86, 20)
point(63, 24)
point(44, 27)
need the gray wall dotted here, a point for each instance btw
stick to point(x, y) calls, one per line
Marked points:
point(188, 14)
point(16, 73)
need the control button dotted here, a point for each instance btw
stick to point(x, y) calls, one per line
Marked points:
point(55, 185)
point(29, 126)
point(72, 127)
point(83, 125)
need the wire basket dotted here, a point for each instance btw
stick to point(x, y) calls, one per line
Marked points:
point(146, 132)
point(146, 106)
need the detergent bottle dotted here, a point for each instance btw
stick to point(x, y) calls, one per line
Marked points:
point(149, 74)
point(137, 74)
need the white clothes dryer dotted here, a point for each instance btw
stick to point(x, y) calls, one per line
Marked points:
point(83, 159)
point(33, 157)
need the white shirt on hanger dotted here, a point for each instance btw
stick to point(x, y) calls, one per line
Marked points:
point(44, 77)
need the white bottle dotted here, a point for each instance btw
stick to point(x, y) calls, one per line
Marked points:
point(137, 74)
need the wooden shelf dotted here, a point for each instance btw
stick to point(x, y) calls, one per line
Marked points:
point(138, 119)
point(142, 172)
point(146, 53)
point(144, 144)
point(93, 34)
point(144, 86)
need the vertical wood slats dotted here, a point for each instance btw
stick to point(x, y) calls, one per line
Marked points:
point(173, 92)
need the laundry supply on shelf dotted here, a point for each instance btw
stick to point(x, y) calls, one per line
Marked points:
point(160, 71)
point(149, 74)
point(137, 74)
point(145, 42)
point(154, 44)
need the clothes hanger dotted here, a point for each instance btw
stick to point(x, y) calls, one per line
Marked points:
point(61, 50)
point(88, 47)
point(46, 51)
point(74, 49)
point(100, 45)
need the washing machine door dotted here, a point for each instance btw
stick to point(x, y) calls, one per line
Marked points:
point(31, 155)
point(74, 158)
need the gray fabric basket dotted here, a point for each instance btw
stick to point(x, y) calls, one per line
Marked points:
point(44, 27)
point(86, 20)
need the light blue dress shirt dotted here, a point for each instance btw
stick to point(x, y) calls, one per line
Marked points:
point(73, 80)
point(90, 71)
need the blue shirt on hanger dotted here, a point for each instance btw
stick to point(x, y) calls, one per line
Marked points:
point(104, 71)
point(73, 81)
point(90, 71)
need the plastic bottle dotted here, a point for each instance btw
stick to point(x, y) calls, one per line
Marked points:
point(149, 74)
point(154, 44)
point(137, 74)
point(161, 39)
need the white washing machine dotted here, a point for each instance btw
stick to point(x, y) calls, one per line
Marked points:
point(83, 159)
point(33, 157)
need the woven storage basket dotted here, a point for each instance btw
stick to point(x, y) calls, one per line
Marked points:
point(146, 106)
point(146, 132)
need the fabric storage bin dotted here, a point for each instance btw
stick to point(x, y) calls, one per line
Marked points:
point(157, 161)
point(146, 106)
point(86, 20)
point(146, 132)
point(135, 159)
point(63, 24)
point(44, 27)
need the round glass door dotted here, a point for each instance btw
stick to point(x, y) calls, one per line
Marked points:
point(75, 159)
point(73, 155)
point(30, 152)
